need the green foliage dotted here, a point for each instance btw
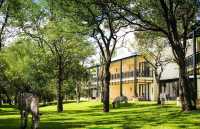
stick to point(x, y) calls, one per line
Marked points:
point(152, 47)
point(28, 66)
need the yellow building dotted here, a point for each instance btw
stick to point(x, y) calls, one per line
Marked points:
point(131, 76)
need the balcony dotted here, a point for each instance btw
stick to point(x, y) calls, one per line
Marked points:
point(145, 73)
point(130, 74)
point(189, 59)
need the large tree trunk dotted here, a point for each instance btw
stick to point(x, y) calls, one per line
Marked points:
point(186, 90)
point(59, 85)
point(1, 99)
point(106, 88)
point(157, 77)
point(159, 89)
point(102, 82)
point(9, 101)
point(15, 98)
point(78, 92)
point(102, 89)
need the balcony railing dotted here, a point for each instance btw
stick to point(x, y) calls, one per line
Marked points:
point(128, 74)
point(145, 73)
point(189, 59)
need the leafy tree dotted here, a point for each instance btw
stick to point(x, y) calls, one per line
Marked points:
point(15, 13)
point(104, 25)
point(28, 67)
point(154, 50)
point(80, 76)
point(67, 46)
point(170, 19)
point(4, 87)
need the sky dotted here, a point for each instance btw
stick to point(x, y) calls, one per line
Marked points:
point(124, 47)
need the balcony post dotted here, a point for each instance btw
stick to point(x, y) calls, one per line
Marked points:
point(135, 76)
point(97, 74)
point(121, 94)
point(194, 63)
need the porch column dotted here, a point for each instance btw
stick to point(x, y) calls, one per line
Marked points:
point(97, 74)
point(121, 77)
point(135, 77)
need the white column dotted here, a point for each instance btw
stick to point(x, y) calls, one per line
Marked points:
point(198, 91)
point(198, 87)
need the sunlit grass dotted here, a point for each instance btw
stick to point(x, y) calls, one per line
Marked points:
point(144, 115)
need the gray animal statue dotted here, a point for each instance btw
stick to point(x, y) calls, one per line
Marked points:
point(28, 103)
point(118, 100)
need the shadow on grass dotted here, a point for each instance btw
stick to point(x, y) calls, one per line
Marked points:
point(8, 110)
point(65, 102)
point(62, 125)
point(9, 123)
point(7, 106)
point(127, 116)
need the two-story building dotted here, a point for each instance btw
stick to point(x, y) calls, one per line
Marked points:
point(131, 76)
point(170, 76)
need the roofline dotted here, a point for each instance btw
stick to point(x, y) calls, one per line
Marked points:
point(98, 65)
point(124, 58)
point(93, 66)
point(169, 79)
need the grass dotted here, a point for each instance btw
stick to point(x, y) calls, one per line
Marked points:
point(89, 115)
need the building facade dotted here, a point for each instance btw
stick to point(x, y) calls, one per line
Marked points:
point(170, 77)
point(131, 76)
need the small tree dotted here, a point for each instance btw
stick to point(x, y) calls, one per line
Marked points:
point(80, 76)
point(27, 70)
point(104, 25)
point(66, 45)
point(153, 49)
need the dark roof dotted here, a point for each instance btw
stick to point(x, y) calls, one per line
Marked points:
point(115, 60)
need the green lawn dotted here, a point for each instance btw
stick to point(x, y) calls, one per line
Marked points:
point(145, 115)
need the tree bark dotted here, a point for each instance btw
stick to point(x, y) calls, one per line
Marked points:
point(106, 88)
point(102, 89)
point(102, 81)
point(102, 85)
point(8, 98)
point(1, 99)
point(77, 92)
point(15, 98)
point(157, 77)
point(186, 90)
point(59, 85)
point(3, 27)
point(159, 90)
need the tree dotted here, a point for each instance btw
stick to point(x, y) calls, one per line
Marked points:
point(79, 76)
point(5, 13)
point(171, 19)
point(28, 68)
point(13, 14)
point(4, 86)
point(153, 49)
point(101, 77)
point(63, 39)
point(104, 24)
